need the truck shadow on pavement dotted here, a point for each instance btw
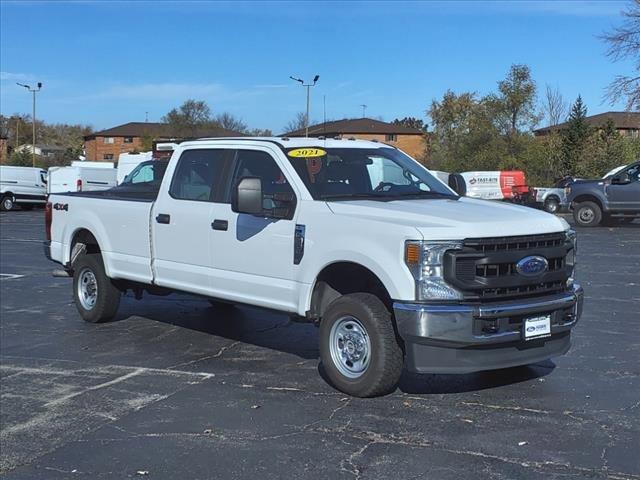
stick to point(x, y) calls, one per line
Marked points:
point(274, 331)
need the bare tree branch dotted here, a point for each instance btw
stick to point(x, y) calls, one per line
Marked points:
point(555, 107)
point(624, 43)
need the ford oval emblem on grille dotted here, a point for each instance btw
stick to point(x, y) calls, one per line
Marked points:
point(532, 266)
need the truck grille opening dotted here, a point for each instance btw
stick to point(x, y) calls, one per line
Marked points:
point(485, 269)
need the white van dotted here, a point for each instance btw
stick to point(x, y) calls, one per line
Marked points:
point(24, 186)
point(128, 161)
point(78, 178)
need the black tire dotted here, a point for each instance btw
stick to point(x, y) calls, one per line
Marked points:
point(587, 214)
point(7, 203)
point(385, 363)
point(107, 297)
point(551, 205)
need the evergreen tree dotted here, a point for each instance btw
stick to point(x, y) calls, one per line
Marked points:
point(574, 136)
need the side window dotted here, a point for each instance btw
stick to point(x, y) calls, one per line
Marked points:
point(634, 173)
point(197, 175)
point(254, 163)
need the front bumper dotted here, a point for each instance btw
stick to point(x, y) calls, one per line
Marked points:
point(469, 338)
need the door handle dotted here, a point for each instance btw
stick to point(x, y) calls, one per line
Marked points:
point(220, 225)
point(163, 218)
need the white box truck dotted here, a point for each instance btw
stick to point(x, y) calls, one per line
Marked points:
point(78, 178)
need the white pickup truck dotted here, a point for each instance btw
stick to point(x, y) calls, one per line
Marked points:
point(355, 236)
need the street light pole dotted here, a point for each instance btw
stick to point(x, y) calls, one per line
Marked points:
point(308, 85)
point(33, 118)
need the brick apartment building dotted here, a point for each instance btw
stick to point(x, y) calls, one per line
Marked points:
point(626, 123)
point(107, 145)
point(410, 140)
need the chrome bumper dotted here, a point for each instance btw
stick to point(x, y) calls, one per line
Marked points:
point(484, 324)
point(472, 338)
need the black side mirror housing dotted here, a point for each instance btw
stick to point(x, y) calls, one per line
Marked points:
point(457, 184)
point(622, 179)
point(247, 197)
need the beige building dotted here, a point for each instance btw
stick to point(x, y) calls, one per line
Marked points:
point(410, 140)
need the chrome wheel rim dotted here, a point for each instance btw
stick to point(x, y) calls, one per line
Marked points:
point(350, 347)
point(586, 215)
point(8, 204)
point(552, 207)
point(87, 289)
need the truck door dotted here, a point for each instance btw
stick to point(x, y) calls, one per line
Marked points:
point(181, 220)
point(253, 256)
point(624, 190)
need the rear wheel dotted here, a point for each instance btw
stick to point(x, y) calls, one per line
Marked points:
point(6, 204)
point(359, 349)
point(551, 205)
point(587, 214)
point(95, 296)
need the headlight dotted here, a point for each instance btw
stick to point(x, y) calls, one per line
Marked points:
point(572, 239)
point(424, 260)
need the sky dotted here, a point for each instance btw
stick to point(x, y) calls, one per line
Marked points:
point(107, 63)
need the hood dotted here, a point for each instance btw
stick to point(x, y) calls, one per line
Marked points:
point(444, 219)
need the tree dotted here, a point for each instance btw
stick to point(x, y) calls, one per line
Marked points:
point(515, 104)
point(574, 136)
point(189, 117)
point(624, 43)
point(297, 123)
point(230, 122)
point(411, 122)
point(260, 132)
point(555, 107)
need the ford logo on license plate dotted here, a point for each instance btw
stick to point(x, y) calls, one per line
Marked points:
point(532, 266)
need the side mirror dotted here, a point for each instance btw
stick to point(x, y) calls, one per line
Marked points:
point(457, 184)
point(621, 179)
point(247, 197)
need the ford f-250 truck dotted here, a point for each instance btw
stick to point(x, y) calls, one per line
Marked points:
point(355, 236)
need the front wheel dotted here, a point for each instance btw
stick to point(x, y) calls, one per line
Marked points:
point(359, 349)
point(587, 214)
point(95, 296)
point(6, 204)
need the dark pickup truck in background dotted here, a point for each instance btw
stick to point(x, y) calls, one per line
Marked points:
point(615, 198)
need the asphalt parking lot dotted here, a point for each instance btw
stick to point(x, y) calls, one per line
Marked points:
point(177, 389)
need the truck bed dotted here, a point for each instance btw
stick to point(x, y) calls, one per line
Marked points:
point(116, 193)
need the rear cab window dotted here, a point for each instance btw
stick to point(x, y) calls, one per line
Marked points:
point(199, 175)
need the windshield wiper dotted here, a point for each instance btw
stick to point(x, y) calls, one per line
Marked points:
point(356, 196)
point(424, 195)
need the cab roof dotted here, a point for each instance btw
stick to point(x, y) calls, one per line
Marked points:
point(295, 142)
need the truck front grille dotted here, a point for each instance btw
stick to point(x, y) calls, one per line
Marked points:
point(485, 269)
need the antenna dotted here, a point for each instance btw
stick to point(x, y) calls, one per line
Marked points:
point(324, 115)
point(364, 110)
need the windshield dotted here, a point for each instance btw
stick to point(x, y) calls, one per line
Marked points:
point(147, 173)
point(355, 173)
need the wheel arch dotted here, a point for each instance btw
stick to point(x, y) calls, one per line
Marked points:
point(588, 197)
point(342, 278)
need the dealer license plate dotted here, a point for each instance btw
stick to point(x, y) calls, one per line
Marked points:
point(536, 327)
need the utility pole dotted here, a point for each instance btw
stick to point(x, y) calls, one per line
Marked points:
point(364, 109)
point(146, 117)
point(308, 85)
point(33, 118)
